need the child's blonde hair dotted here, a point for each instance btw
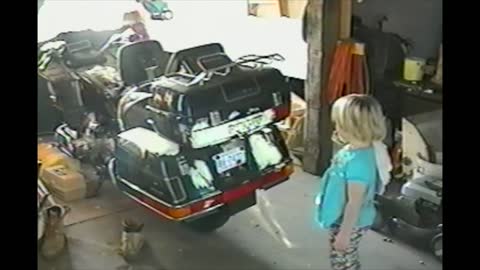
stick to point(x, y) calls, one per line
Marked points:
point(359, 119)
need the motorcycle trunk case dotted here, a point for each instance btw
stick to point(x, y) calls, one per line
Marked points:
point(179, 108)
point(170, 179)
point(241, 91)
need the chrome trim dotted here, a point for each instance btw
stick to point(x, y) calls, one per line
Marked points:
point(134, 187)
point(181, 97)
point(78, 91)
point(193, 216)
point(183, 195)
point(151, 72)
point(216, 72)
point(203, 212)
point(193, 79)
point(168, 181)
point(53, 94)
point(148, 206)
point(78, 46)
point(187, 67)
point(280, 166)
point(207, 73)
point(257, 90)
point(111, 171)
point(201, 199)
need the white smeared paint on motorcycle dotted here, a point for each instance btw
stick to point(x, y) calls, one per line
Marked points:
point(201, 175)
point(210, 136)
point(148, 140)
point(264, 151)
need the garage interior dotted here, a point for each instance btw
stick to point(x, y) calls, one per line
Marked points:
point(398, 46)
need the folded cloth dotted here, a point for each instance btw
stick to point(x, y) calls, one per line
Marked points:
point(384, 164)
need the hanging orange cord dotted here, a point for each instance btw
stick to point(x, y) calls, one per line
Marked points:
point(336, 80)
point(348, 73)
point(333, 74)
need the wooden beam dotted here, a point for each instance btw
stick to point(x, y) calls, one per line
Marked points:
point(322, 36)
point(313, 86)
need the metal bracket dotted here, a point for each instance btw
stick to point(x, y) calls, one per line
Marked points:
point(250, 61)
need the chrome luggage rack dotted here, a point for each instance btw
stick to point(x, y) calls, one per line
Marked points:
point(250, 61)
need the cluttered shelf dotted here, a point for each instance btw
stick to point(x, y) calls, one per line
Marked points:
point(425, 90)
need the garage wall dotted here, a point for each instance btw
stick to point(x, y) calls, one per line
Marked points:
point(419, 20)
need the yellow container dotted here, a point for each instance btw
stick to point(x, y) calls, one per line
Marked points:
point(49, 156)
point(413, 69)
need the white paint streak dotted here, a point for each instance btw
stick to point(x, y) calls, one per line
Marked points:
point(201, 175)
point(264, 213)
point(148, 140)
point(223, 132)
point(264, 151)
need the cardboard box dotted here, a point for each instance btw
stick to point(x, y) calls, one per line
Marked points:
point(264, 8)
point(48, 156)
point(295, 8)
point(65, 184)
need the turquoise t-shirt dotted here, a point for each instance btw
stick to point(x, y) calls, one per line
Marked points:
point(348, 166)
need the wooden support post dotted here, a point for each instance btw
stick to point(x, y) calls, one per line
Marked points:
point(322, 36)
point(313, 86)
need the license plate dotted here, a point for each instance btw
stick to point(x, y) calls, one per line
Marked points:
point(230, 159)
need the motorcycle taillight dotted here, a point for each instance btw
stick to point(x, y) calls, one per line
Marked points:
point(281, 112)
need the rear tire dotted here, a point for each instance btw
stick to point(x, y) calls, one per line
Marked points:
point(209, 223)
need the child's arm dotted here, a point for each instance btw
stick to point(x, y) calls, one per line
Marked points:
point(350, 215)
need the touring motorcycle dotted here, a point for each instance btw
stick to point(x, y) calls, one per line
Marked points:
point(190, 135)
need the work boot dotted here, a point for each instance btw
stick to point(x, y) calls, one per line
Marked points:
point(132, 239)
point(54, 239)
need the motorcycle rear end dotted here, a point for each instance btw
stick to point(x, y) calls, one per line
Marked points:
point(214, 171)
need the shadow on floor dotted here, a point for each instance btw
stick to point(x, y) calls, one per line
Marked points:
point(169, 246)
point(63, 262)
point(175, 247)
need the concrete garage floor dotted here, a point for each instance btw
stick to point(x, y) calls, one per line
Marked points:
point(94, 229)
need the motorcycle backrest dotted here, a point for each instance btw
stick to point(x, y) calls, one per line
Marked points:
point(187, 59)
point(134, 59)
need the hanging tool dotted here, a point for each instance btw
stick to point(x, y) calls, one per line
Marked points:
point(348, 72)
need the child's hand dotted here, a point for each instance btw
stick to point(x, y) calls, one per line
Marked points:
point(342, 241)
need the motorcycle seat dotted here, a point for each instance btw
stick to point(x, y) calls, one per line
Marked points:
point(187, 58)
point(134, 59)
point(85, 60)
